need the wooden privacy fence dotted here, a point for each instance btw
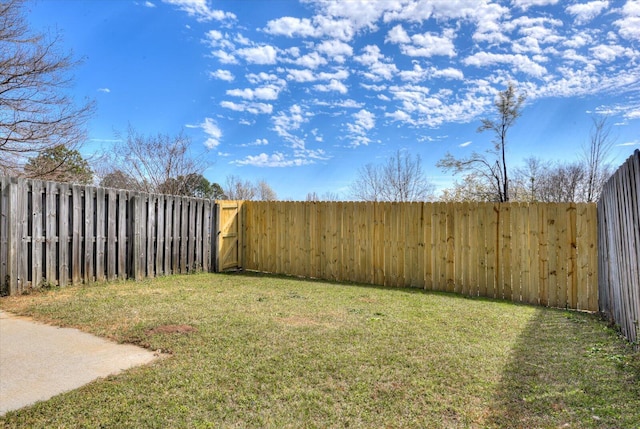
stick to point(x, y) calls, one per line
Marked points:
point(535, 253)
point(619, 260)
point(59, 234)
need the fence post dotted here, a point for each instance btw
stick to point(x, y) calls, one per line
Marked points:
point(215, 227)
point(137, 255)
point(8, 236)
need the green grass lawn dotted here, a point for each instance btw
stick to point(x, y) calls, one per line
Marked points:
point(286, 353)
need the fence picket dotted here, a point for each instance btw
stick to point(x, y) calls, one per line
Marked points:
point(37, 237)
point(63, 235)
point(101, 217)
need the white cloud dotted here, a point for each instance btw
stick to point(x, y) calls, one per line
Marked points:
point(276, 159)
point(340, 74)
point(242, 93)
point(429, 44)
point(291, 27)
point(606, 53)
point(200, 10)
point(525, 4)
point(225, 57)
point(347, 104)
point(285, 123)
point(105, 90)
point(399, 115)
point(371, 55)
point(330, 27)
point(225, 75)
point(488, 19)
point(364, 122)
point(465, 144)
point(379, 67)
point(419, 74)
point(360, 13)
point(213, 132)
point(311, 60)
point(585, 12)
point(265, 54)
point(365, 119)
point(269, 92)
point(149, 4)
point(333, 85)
point(397, 35)
point(320, 26)
point(630, 23)
point(335, 50)
point(239, 38)
point(300, 75)
point(577, 41)
point(253, 108)
point(521, 62)
point(449, 73)
point(633, 143)
point(257, 142)
point(256, 78)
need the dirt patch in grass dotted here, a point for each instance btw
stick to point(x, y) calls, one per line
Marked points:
point(171, 329)
point(298, 321)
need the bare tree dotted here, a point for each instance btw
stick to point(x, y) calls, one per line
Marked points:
point(542, 181)
point(236, 189)
point(158, 163)
point(469, 189)
point(400, 179)
point(563, 183)
point(330, 196)
point(368, 186)
point(35, 113)
point(491, 166)
point(595, 156)
point(531, 180)
point(327, 196)
point(265, 192)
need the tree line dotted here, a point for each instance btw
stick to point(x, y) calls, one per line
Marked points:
point(41, 130)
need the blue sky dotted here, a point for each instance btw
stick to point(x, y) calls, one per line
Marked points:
point(302, 94)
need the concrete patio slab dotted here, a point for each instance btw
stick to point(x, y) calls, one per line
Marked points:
point(39, 361)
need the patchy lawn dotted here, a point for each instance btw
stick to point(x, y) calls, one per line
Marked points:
point(256, 351)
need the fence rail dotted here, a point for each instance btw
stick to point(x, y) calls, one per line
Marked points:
point(619, 257)
point(59, 234)
point(535, 253)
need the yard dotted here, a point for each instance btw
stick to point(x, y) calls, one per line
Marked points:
point(247, 350)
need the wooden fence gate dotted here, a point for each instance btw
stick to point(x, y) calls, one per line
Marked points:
point(228, 235)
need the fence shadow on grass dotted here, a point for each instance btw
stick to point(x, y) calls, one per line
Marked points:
point(399, 289)
point(568, 370)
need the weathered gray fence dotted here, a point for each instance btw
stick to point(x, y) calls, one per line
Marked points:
point(619, 255)
point(59, 234)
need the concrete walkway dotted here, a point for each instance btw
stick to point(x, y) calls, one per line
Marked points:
point(39, 361)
